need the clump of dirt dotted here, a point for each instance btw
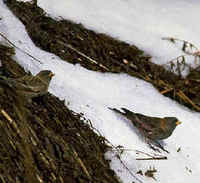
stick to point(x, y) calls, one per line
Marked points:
point(44, 141)
point(75, 44)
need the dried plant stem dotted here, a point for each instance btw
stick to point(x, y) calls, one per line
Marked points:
point(137, 151)
point(12, 122)
point(187, 100)
point(2, 179)
point(67, 148)
point(117, 155)
point(5, 114)
point(19, 48)
point(166, 90)
point(171, 39)
point(177, 58)
point(154, 158)
point(83, 55)
point(82, 164)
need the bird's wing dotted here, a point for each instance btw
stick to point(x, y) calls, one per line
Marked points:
point(31, 83)
point(142, 121)
point(127, 112)
point(35, 89)
point(25, 79)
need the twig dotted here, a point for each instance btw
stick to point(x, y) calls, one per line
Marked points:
point(12, 122)
point(128, 169)
point(187, 48)
point(154, 158)
point(118, 155)
point(83, 55)
point(5, 114)
point(81, 163)
point(67, 148)
point(167, 87)
point(20, 48)
point(144, 153)
point(166, 90)
point(176, 59)
point(161, 82)
point(2, 179)
point(185, 44)
point(186, 99)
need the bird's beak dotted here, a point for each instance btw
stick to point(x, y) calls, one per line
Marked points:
point(178, 123)
point(51, 74)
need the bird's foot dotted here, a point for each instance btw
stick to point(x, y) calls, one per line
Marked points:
point(161, 147)
point(156, 146)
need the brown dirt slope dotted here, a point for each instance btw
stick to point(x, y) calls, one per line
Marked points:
point(44, 141)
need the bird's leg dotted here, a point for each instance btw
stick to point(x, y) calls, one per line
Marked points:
point(155, 145)
point(149, 142)
point(160, 146)
point(152, 144)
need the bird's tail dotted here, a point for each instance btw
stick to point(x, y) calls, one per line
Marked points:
point(127, 112)
point(116, 110)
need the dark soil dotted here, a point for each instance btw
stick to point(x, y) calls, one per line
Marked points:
point(44, 141)
point(75, 44)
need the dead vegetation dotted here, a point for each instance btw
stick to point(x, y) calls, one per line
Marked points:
point(150, 173)
point(44, 141)
point(76, 44)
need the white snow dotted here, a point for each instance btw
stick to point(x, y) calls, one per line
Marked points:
point(142, 23)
